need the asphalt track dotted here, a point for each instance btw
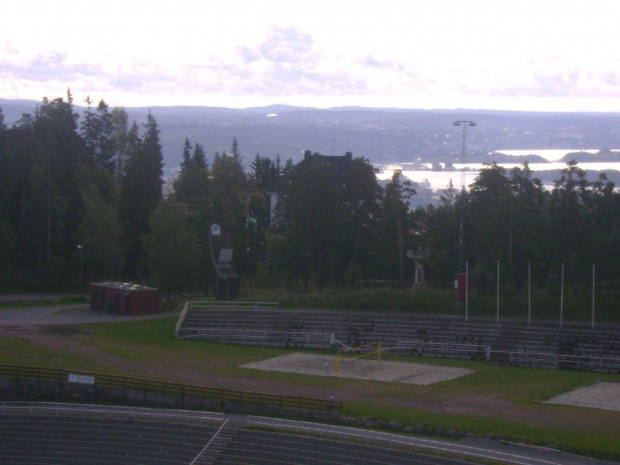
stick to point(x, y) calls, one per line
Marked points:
point(83, 314)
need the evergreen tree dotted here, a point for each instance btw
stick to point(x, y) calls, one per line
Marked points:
point(393, 231)
point(55, 126)
point(235, 153)
point(569, 222)
point(118, 137)
point(265, 174)
point(444, 221)
point(99, 234)
point(187, 155)
point(228, 189)
point(489, 215)
point(192, 191)
point(97, 129)
point(172, 252)
point(528, 227)
point(142, 186)
point(325, 209)
point(8, 237)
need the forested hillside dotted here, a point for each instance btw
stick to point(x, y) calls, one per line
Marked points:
point(97, 182)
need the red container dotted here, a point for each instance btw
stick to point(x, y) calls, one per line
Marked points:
point(460, 287)
point(124, 298)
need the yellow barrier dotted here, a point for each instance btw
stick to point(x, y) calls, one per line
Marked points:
point(341, 353)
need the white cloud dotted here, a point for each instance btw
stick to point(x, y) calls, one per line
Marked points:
point(413, 53)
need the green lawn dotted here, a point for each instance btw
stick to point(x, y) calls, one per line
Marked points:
point(149, 349)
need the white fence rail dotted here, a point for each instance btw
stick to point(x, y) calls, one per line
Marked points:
point(255, 336)
point(52, 408)
point(232, 304)
point(550, 360)
point(417, 444)
point(181, 319)
point(515, 357)
point(439, 349)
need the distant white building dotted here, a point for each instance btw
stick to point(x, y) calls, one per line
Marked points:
point(424, 193)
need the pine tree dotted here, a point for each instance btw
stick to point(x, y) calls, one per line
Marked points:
point(186, 155)
point(118, 136)
point(55, 126)
point(97, 129)
point(142, 185)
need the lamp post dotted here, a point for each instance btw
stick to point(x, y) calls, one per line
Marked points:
point(81, 249)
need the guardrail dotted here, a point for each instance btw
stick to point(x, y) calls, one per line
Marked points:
point(108, 410)
point(232, 304)
point(299, 404)
point(577, 362)
point(181, 319)
point(441, 349)
point(417, 444)
point(256, 336)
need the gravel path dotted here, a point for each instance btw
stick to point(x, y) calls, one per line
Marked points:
point(602, 395)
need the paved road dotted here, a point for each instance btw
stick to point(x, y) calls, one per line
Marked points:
point(63, 315)
point(31, 297)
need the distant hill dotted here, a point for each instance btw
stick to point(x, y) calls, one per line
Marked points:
point(385, 135)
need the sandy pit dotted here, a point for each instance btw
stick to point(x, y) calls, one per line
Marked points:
point(392, 372)
point(602, 395)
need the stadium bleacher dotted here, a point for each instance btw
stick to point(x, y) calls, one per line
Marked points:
point(546, 345)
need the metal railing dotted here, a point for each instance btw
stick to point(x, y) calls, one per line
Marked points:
point(576, 362)
point(54, 408)
point(181, 319)
point(257, 336)
point(441, 349)
point(299, 404)
point(232, 304)
point(437, 447)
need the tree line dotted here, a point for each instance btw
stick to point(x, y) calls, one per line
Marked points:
point(97, 182)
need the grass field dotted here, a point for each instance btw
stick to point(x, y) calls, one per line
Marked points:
point(498, 401)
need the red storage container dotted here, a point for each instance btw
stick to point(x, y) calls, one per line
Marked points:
point(460, 287)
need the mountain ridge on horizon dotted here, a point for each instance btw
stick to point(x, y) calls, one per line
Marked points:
point(283, 107)
point(382, 135)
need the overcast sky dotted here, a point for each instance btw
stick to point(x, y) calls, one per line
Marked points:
point(495, 54)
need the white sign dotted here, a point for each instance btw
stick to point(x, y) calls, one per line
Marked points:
point(215, 229)
point(81, 379)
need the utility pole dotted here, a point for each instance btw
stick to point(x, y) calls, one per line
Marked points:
point(401, 263)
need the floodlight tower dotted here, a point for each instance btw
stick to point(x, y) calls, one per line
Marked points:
point(464, 124)
point(462, 274)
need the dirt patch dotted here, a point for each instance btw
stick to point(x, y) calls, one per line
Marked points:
point(602, 395)
point(328, 365)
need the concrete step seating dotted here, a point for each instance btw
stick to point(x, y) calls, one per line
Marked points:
point(426, 336)
point(28, 439)
point(350, 329)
